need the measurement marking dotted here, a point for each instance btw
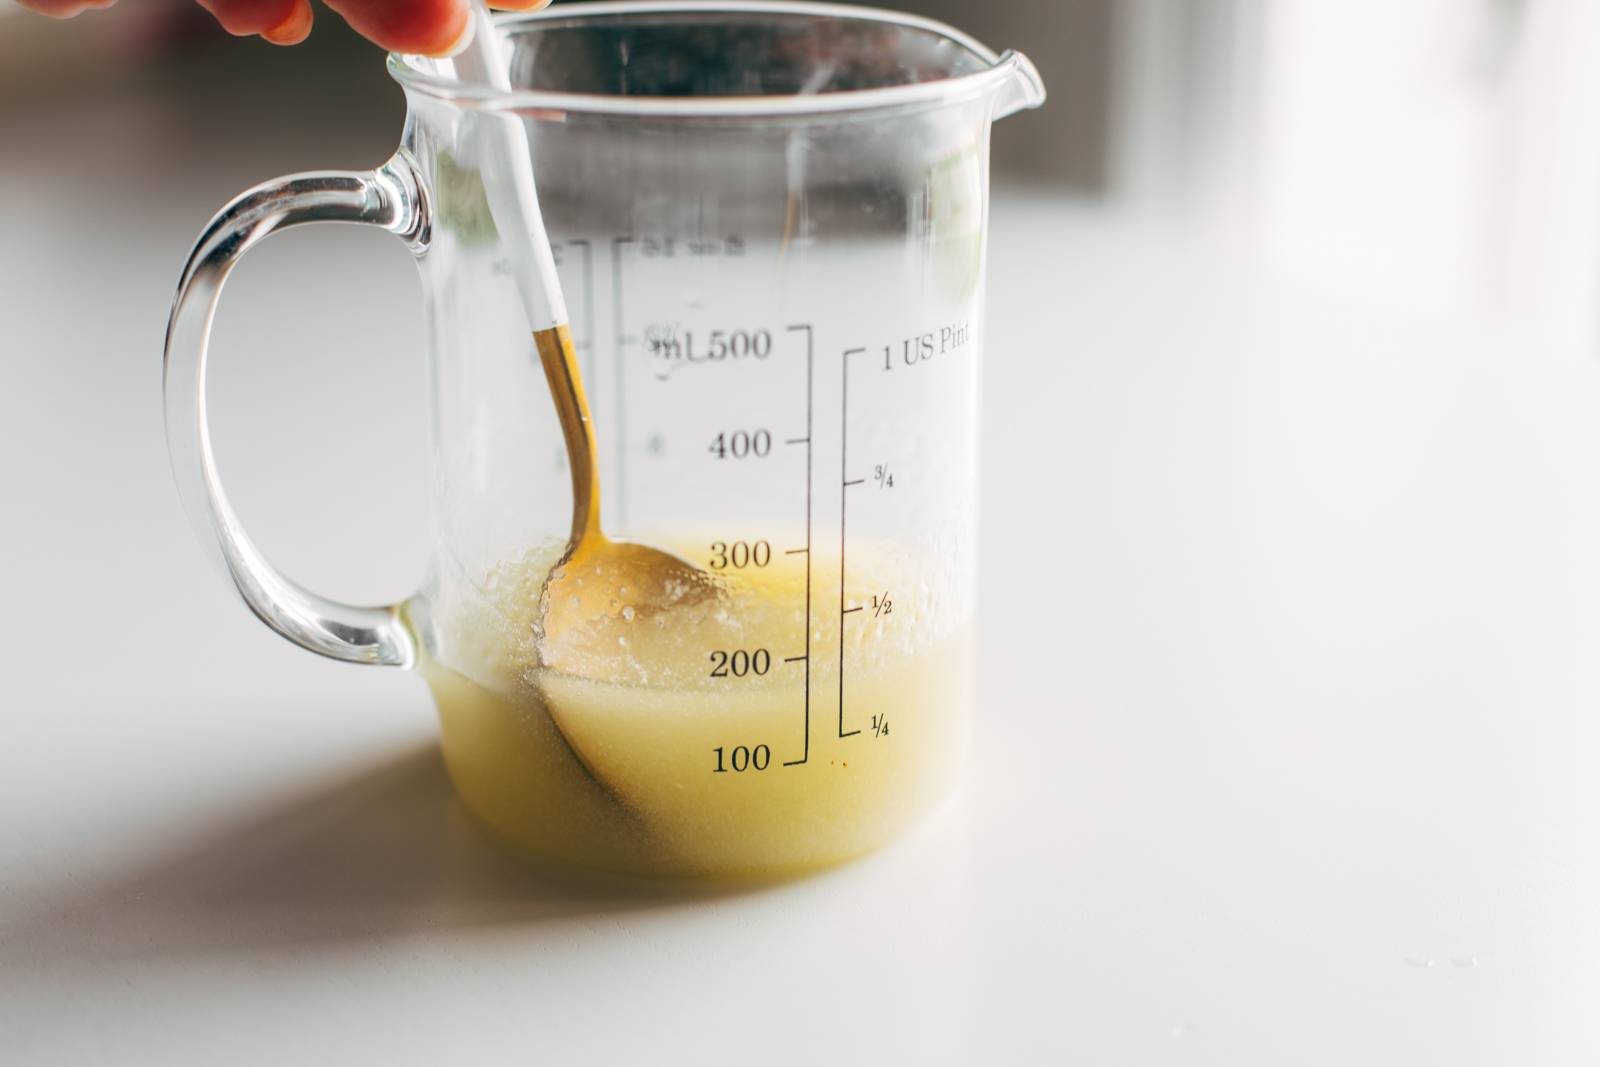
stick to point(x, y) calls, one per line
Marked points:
point(588, 345)
point(621, 385)
point(805, 754)
point(844, 454)
point(851, 611)
point(796, 659)
point(855, 481)
point(798, 552)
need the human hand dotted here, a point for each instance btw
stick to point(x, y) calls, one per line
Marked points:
point(429, 27)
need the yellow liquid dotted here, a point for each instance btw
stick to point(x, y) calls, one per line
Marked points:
point(714, 725)
point(636, 757)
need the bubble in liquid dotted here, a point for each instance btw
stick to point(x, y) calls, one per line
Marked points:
point(627, 612)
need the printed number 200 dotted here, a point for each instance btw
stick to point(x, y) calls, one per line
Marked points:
point(739, 663)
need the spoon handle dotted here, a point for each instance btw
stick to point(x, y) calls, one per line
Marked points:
point(504, 159)
point(560, 364)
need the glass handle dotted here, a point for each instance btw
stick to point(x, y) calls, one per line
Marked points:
point(389, 197)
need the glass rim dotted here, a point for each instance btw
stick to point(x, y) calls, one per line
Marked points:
point(998, 68)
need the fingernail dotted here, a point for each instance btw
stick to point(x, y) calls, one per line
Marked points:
point(292, 30)
point(469, 28)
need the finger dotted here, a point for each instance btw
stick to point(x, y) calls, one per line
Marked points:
point(276, 20)
point(294, 29)
point(428, 27)
point(65, 9)
point(296, 26)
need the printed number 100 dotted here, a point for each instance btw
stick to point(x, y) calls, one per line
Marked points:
point(742, 758)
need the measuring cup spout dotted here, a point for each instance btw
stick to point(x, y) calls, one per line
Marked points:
point(1022, 89)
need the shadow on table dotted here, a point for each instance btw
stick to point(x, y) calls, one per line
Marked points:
point(385, 853)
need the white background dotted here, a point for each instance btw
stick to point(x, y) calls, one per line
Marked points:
point(1287, 727)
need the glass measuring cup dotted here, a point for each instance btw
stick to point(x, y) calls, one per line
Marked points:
point(770, 224)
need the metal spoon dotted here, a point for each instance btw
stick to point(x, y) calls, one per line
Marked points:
point(597, 578)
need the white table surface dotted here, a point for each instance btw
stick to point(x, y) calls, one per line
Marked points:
point(1290, 670)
